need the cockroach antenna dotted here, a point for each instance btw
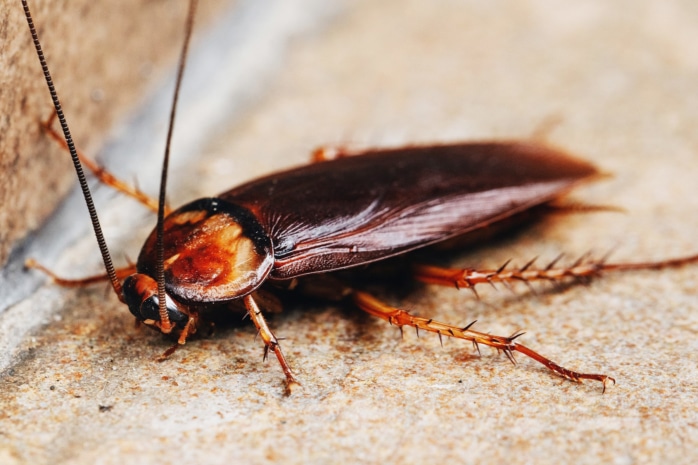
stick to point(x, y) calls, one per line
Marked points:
point(108, 265)
point(104, 249)
point(167, 326)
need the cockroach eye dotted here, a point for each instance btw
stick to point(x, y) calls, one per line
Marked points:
point(140, 293)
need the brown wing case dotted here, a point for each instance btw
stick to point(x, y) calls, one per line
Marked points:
point(363, 208)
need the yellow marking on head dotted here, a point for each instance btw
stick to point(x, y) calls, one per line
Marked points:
point(193, 216)
point(171, 260)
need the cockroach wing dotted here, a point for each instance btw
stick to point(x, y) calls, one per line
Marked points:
point(367, 207)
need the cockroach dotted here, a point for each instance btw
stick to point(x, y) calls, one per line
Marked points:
point(343, 211)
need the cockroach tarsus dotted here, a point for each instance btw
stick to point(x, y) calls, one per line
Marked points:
point(342, 211)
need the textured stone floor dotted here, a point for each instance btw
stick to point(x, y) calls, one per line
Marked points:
point(620, 80)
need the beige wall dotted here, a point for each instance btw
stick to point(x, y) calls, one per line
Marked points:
point(104, 56)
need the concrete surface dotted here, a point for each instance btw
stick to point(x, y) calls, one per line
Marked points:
point(621, 79)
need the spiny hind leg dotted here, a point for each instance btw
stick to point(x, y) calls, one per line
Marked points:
point(469, 278)
point(400, 318)
point(104, 176)
point(581, 269)
point(270, 341)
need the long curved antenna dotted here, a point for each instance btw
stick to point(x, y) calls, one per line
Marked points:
point(108, 265)
point(165, 324)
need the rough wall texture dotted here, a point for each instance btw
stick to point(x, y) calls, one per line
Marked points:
point(103, 57)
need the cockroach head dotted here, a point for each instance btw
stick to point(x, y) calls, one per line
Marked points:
point(140, 293)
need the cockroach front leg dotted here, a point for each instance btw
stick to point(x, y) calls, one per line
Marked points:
point(270, 341)
point(189, 328)
point(400, 318)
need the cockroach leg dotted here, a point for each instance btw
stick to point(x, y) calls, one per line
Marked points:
point(545, 127)
point(574, 207)
point(121, 273)
point(581, 269)
point(165, 355)
point(270, 341)
point(104, 176)
point(327, 153)
point(398, 317)
point(189, 328)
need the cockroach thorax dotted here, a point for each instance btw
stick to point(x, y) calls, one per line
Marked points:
point(214, 251)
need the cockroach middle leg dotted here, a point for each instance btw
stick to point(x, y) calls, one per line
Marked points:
point(506, 344)
point(334, 152)
point(270, 341)
point(328, 153)
point(581, 269)
point(121, 274)
point(101, 173)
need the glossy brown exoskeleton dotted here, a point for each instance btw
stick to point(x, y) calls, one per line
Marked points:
point(352, 210)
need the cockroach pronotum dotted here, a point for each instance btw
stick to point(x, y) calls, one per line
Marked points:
point(343, 211)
